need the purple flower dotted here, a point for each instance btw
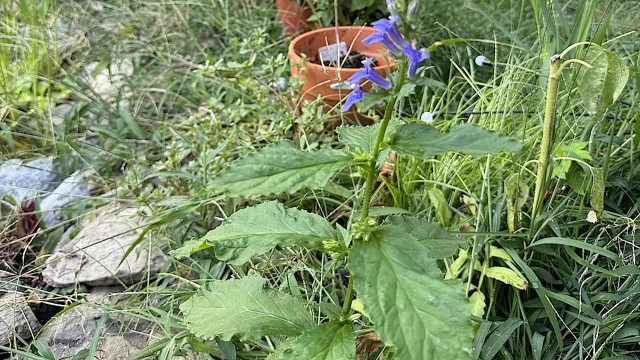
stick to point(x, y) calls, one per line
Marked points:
point(388, 35)
point(415, 57)
point(354, 97)
point(368, 73)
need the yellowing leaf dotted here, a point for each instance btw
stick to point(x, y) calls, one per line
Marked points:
point(499, 253)
point(507, 276)
point(456, 265)
point(477, 301)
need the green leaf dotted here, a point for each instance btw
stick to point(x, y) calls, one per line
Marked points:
point(601, 85)
point(243, 307)
point(256, 230)
point(414, 309)
point(373, 98)
point(425, 141)
point(363, 137)
point(499, 337)
point(436, 239)
point(190, 247)
point(279, 168)
point(579, 245)
point(329, 341)
point(436, 196)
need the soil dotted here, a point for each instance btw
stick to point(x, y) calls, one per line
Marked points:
point(352, 61)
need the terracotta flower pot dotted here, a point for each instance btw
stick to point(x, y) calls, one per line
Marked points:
point(293, 17)
point(330, 82)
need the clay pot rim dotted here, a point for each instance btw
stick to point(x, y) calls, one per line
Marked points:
point(295, 57)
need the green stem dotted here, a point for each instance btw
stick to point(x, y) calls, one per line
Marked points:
point(372, 173)
point(547, 135)
point(371, 167)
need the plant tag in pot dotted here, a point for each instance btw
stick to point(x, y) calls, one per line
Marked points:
point(330, 55)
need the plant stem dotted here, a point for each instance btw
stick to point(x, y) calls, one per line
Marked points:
point(547, 135)
point(372, 172)
point(371, 167)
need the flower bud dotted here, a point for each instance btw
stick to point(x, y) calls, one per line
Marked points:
point(413, 10)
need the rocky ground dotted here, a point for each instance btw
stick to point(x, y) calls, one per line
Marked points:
point(87, 262)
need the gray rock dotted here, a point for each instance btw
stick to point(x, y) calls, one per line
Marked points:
point(8, 282)
point(93, 255)
point(59, 112)
point(22, 180)
point(61, 197)
point(121, 337)
point(16, 318)
point(107, 82)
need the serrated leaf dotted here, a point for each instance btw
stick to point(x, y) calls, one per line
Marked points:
point(414, 309)
point(436, 239)
point(190, 247)
point(243, 307)
point(363, 137)
point(279, 168)
point(602, 84)
point(373, 98)
point(425, 141)
point(506, 276)
point(256, 230)
point(329, 341)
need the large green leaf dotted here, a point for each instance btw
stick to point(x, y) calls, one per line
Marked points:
point(436, 239)
point(425, 141)
point(329, 341)
point(414, 309)
point(243, 307)
point(363, 137)
point(256, 230)
point(279, 168)
point(601, 85)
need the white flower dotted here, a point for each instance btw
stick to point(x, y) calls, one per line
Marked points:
point(482, 60)
point(427, 117)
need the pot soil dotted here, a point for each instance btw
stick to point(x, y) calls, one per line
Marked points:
point(329, 82)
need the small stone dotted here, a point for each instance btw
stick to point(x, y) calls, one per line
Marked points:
point(59, 112)
point(107, 82)
point(121, 337)
point(93, 255)
point(16, 318)
point(21, 180)
point(63, 195)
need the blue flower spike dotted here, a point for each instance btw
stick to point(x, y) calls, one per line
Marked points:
point(368, 73)
point(415, 57)
point(354, 97)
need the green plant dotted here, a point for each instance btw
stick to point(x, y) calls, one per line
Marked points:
point(348, 12)
point(392, 260)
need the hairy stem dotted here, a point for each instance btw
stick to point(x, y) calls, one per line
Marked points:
point(371, 167)
point(547, 135)
point(372, 172)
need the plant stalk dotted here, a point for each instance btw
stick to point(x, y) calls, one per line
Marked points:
point(547, 135)
point(372, 173)
point(371, 167)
